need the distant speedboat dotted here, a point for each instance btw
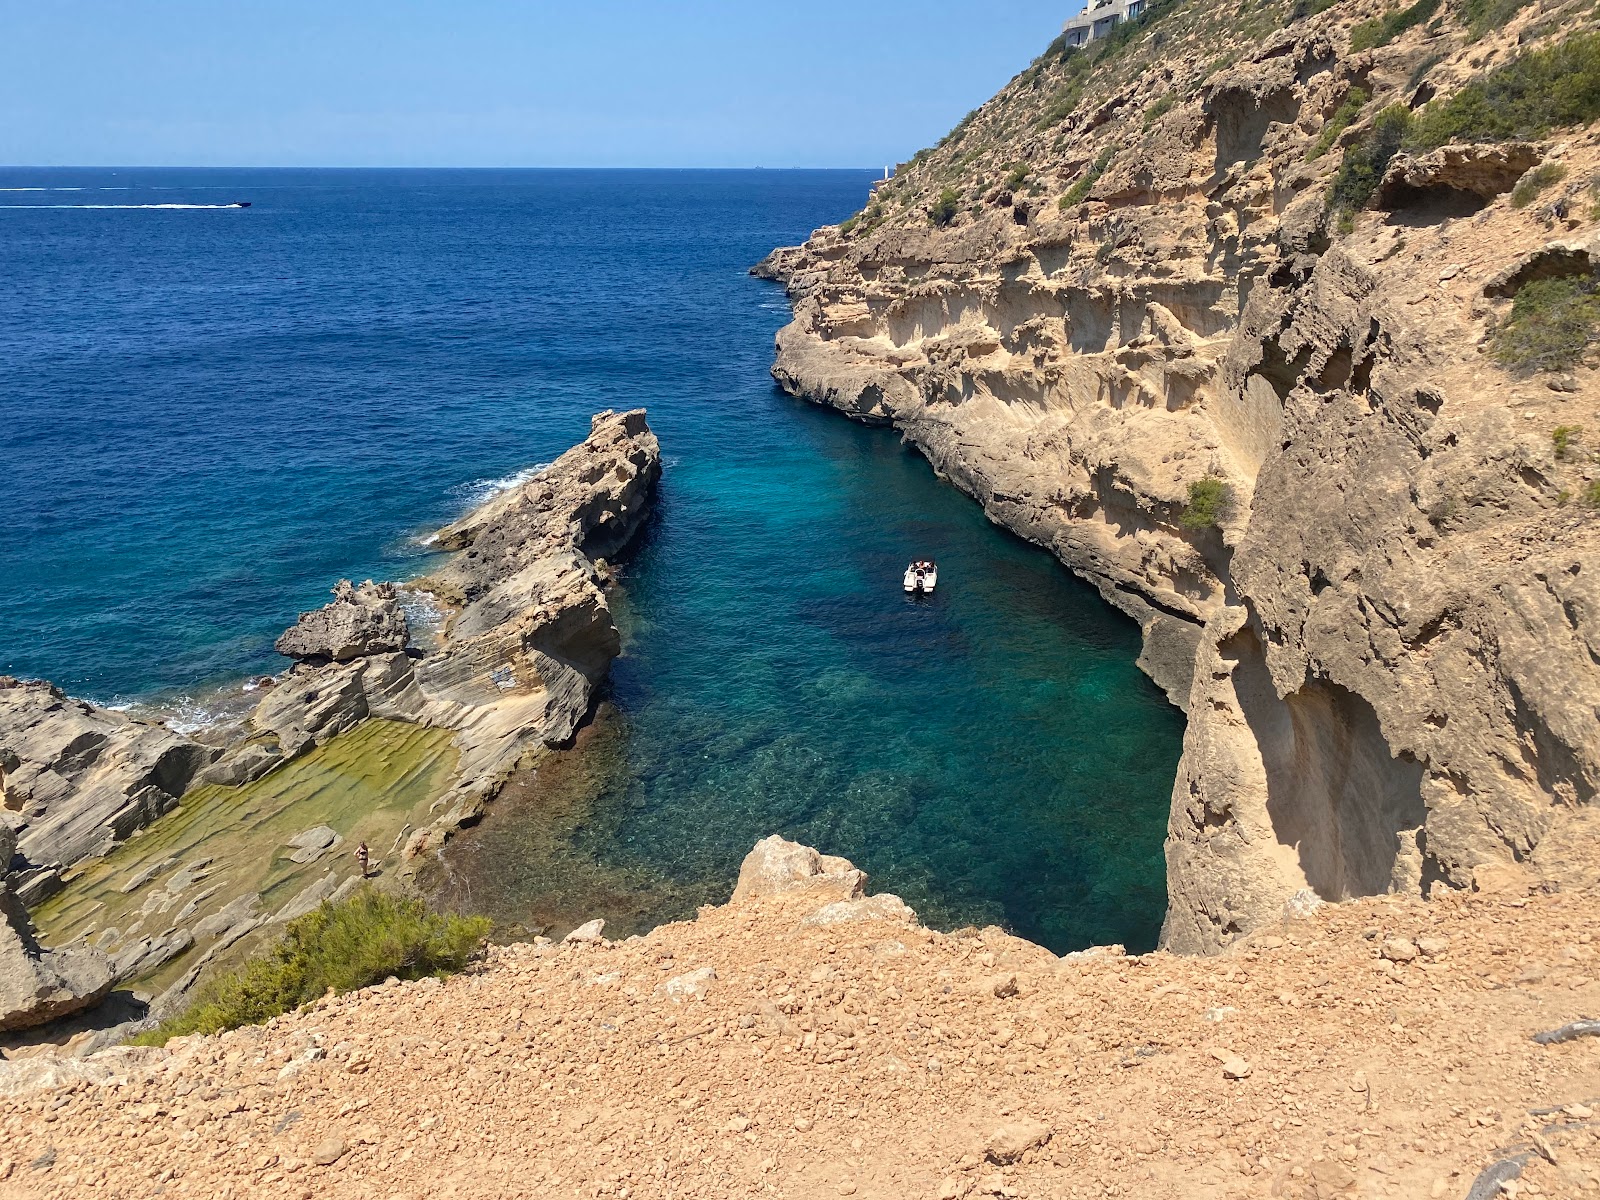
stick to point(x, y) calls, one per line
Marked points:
point(922, 576)
point(241, 204)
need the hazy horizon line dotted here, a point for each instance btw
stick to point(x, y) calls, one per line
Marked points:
point(395, 167)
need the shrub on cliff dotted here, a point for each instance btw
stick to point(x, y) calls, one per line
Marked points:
point(1366, 161)
point(1544, 176)
point(1527, 98)
point(352, 944)
point(945, 207)
point(1079, 190)
point(1380, 31)
point(1339, 122)
point(1551, 326)
point(1480, 16)
point(1209, 500)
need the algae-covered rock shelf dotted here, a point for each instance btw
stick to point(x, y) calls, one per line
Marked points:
point(147, 855)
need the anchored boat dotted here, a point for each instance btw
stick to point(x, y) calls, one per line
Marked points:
point(922, 576)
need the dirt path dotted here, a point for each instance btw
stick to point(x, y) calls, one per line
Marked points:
point(873, 1058)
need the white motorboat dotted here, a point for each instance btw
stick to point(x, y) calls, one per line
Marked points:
point(922, 576)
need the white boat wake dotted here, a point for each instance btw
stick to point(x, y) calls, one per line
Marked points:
point(118, 205)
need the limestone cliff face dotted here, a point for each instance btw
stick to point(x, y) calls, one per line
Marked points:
point(1388, 643)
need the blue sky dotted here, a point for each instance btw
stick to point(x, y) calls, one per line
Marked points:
point(500, 82)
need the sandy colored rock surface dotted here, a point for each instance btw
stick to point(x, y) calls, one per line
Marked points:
point(876, 1059)
point(1386, 642)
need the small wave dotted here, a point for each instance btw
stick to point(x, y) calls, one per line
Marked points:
point(424, 616)
point(189, 714)
point(24, 189)
point(118, 205)
point(479, 490)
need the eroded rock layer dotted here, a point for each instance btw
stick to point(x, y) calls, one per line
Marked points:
point(1117, 283)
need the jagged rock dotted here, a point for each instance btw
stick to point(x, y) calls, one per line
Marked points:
point(361, 621)
point(1480, 171)
point(37, 985)
point(586, 934)
point(84, 778)
point(776, 867)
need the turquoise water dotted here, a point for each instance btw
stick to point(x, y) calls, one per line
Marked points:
point(220, 411)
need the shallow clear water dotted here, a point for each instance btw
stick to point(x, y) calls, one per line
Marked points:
point(214, 413)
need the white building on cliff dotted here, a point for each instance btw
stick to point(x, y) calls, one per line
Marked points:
point(1099, 19)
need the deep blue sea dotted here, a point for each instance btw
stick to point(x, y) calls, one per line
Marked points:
point(213, 413)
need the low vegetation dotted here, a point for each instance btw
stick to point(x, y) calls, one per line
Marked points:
point(945, 207)
point(1159, 109)
point(1016, 176)
point(1209, 501)
point(1551, 325)
point(1080, 190)
point(1380, 31)
point(1480, 16)
point(1366, 161)
point(1544, 176)
point(352, 944)
point(1525, 99)
point(1591, 494)
point(1309, 8)
point(1563, 436)
point(1339, 122)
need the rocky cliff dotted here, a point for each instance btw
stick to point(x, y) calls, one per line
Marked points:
point(1232, 312)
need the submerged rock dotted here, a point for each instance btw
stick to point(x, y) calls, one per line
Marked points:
point(361, 621)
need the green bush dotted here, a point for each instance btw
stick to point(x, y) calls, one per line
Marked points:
point(1339, 122)
point(1380, 31)
point(1079, 190)
point(1536, 181)
point(1525, 99)
point(1309, 8)
point(945, 207)
point(1209, 500)
point(1366, 161)
point(1014, 180)
point(1480, 16)
point(1159, 109)
point(1591, 494)
point(352, 944)
point(1551, 325)
point(1563, 436)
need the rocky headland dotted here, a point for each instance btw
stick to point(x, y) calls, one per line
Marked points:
point(1207, 311)
point(133, 890)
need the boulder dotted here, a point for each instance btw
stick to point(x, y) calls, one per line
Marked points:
point(361, 621)
point(37, 985)
point(882, 907)
point(777, 867)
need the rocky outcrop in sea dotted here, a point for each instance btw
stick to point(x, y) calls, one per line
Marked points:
point(527, 636)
